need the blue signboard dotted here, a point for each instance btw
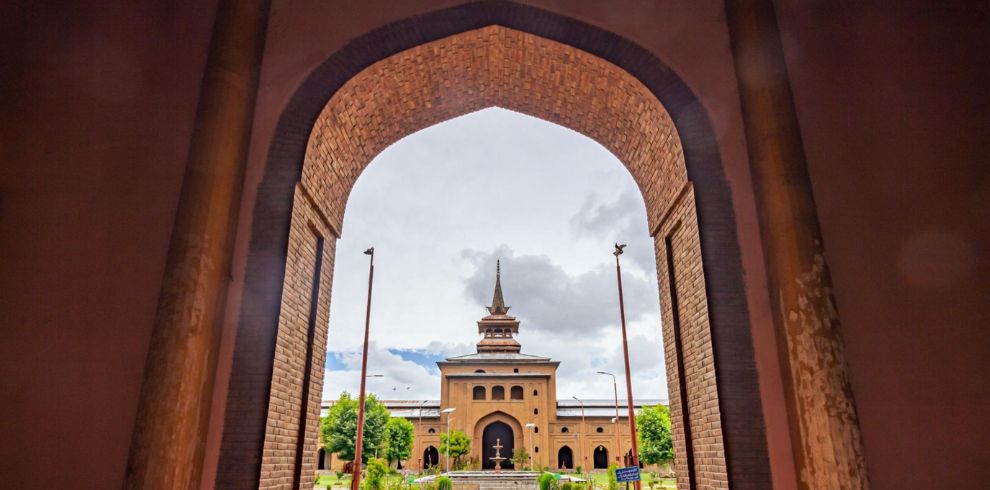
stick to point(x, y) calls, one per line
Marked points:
point(627, 474)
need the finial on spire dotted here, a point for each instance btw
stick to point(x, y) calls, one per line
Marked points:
point(498, 302)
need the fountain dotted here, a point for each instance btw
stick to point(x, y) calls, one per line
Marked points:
point(498, 458)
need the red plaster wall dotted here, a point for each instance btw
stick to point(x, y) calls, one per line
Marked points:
point(893, 106)
point(97, 107)
point(98, 101)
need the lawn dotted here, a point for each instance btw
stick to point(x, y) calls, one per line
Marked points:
point(600, 480)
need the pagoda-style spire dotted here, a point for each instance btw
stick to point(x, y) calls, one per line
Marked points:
point(498, 303)
point(498, 327)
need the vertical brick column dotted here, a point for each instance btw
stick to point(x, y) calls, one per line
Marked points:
point(170, 431)
point(825, 432)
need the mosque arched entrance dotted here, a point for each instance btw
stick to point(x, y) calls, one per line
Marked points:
point(565, 458)
point(431, 457)
point(601, 457)
point(497, 433)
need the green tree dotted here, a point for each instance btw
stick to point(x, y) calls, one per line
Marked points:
point(656, 445)
point(338, 430)
point(398, 439)
point(460, 444)
point(520, 457)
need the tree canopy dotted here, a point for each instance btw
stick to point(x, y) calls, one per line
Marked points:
point(460, 444)
point(338, 430)
point(656, 445)
point(398, 439)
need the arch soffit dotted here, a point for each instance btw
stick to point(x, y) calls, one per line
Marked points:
point(498, 416)
point(493, 66)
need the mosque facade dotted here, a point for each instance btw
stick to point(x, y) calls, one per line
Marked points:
point(499, 396)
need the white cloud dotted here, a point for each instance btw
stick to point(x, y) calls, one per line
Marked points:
point(438, 204)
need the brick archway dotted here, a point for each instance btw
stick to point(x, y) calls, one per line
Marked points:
point(419, 72)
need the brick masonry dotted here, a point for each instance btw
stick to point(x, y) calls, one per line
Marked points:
point(322, 145)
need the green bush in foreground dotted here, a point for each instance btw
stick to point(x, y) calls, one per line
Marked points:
point(376, 471)
point(613, 482)
point(444, 483)
point(548, 482)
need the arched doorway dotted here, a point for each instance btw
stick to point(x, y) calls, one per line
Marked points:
point(601, 457)
point(321, 459)
point(497, 433)
point(431, 457)
point(565, 458)
point(321, 146)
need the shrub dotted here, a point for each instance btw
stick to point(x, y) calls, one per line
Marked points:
point(444, 483)
point(567, 486)
point(340, 474)
point(577, 469)
point(376, 474)
point(613, 483)
point(548, 482)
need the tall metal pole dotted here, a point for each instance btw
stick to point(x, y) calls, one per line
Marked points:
point(625, 355)
point(531, 437)
point(615, 421)
point(356, 480)
point(446, 462)
point(420, 429)
point(584, 454)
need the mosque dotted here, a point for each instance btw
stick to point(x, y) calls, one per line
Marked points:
point(500, 396)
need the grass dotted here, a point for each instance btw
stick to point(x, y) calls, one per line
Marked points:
point(600, 479)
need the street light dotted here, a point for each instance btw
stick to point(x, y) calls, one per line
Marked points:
point(615, 421)
point(448, 411)
point(356, 481)
point(531, 437)
point(421, 465)
point(583, 452)
point(625, 355)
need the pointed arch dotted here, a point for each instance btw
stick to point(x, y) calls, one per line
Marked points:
point(322, 192)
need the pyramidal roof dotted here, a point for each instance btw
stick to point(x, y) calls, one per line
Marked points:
point(498, 302)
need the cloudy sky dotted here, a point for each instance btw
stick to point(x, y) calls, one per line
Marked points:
point(442, 205)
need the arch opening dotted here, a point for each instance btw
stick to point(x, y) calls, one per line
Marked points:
point(565, 458)
point(600, 457)
point(497, 437)
point(431, 457)
point(648, 145)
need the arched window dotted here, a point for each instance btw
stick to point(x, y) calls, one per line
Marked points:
point(564, 430)
point(517, 393)
point(599, 430)
point(498, 393)
point(476, 370)
point(536, 411)
point(479, 392)
point(434, 431)
point(535, 393)
point(536, 449)
point(536, 430)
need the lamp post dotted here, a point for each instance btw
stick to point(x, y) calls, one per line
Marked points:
point(615, 421)
point(356, 480)
point(448, 411)
point(625, 355)
point(584, 455)
point(532, 435)
point(419, 439)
